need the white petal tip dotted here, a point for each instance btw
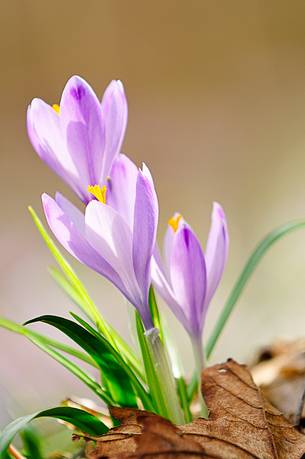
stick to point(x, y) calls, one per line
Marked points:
point(218, 210)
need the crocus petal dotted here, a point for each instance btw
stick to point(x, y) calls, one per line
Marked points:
point(188, 276)
point(109, 234)
point(162, 285)
point(168, 241)
point(72, 212)
point(67, 224)
point(144, 228)
point(216, 251)
point(81, 118)
point(121, 188)
point(115, 114)
point(45, 133)
point(160, 274)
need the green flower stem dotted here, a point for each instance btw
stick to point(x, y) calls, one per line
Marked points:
point(199, 365)
point(245, 275)
point(148, 365)
point(167, 391)
point(175, 364)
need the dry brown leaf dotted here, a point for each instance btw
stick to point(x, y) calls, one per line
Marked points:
point(241, 425)
point(142, 435)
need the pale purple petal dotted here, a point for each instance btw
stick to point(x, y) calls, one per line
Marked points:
point(69, 232)
point(162, 285)
point(121, 187)
point(72, 212)
point(168, 241)
point(45, 133)
point(216, 251)
point(144, 228)
point(108, 233)
point(188, 276)
point(82, 123)
point(115, 114)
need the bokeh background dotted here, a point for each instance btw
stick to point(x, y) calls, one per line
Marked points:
point(216, 93)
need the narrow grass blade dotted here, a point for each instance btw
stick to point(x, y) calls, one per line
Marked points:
point(21, 330)
point(65, 285)
point(245, 275)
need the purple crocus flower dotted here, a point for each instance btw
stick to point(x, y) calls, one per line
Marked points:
point(80, 138)
point(188, 278)
point(116, 236)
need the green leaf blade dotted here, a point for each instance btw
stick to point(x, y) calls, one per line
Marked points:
point(141, 392)
point(85, 422)
point(117, 380)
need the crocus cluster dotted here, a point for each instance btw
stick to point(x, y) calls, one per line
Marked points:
point(115, 231)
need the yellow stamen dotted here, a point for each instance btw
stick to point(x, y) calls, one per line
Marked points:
point(56, 107)
point(174, 222)
point(98, 192)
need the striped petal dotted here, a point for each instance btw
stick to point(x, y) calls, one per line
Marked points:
point(67, 224)
point(216, 251)
point(83, 128)
point(144, 229)
point(121, 188)
point(188, 276)
point(109, 235)
point(115, 114)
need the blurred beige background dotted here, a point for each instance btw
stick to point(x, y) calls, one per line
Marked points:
point(216, 94)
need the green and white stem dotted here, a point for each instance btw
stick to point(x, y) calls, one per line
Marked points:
point(199, 365)
point(168, 397)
